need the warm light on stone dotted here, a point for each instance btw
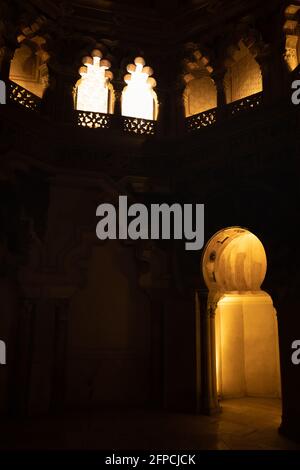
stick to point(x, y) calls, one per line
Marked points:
point(292, 42)
point(243, 77)
point(138, 98)
point(246, 335)
point(92, 90)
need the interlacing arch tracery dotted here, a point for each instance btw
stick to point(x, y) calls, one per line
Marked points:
point(94, 92)
point(200, 93)
point(139, 100)
point(29, 67)
point(243, 77)
point(292, 35)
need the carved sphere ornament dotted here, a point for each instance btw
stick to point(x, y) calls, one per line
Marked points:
point(234, 260)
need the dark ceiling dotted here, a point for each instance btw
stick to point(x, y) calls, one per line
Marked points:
point(159, 5)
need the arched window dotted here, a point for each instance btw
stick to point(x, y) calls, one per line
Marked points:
point(243, 77)
point(138, 98)
point(93, 92)
point(234, 266)
point(29, 68)
point(291, 28)
point(200, 93)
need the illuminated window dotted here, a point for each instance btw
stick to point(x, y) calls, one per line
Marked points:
point(29, 66)
point(243, 77)
point(138, 98)
point(291, 29)
point(246, 334)
point(200, 93)
point(94, 91)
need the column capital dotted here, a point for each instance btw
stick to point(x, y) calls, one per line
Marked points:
point(218, 73)
point(211, 308)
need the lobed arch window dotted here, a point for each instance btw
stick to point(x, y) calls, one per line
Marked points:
point(243, 77)
point(292, 35)
point(139, 100)
point(93, 91)
point(200, 93)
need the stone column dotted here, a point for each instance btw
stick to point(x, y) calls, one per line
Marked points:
point(162, 98)
point(58, 100)
point(271, 59)
point(65, 50)
point(209, 401)
point(274, 74)
point(118, 89)
point(118, 86)
point(218, 75)
point(166, 93)
point(20, 387)
point(170, 88)
point(40, 353)
point(157, 356)
point(287, 303)
point(6, 56)
point(161, 124)
point(179, 111)
point(60, 311)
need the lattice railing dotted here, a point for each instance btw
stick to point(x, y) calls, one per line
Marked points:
point(139, 126)
point(93, 120)
point(245, 104)
point(132, 125)
point(22, 97)
point(198, 121)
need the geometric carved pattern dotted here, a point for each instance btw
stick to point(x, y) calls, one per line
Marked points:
point(245, 104)
point(139, 126)
point(198, 121)
point(19, 95)
point(93, 120)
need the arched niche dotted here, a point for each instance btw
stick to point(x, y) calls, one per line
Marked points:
point(93, 91)
point(29, 66)
point(108, 329)
point(200, 92)
point(243, 77)
point(139, 100)
point(292, 35)
point(108, 357)
point(246, 352)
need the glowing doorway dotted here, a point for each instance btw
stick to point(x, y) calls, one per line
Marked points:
point(246, 334)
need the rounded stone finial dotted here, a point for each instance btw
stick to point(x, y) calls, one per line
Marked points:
point(97, 53)
point(234, 260)
point(130, 68)
point(139, 61)
point(148, 70)
point(109, 75)
point(151, 82)
point(127, 78)
point(87, 60)
point(105, 63)
point(83, 70)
